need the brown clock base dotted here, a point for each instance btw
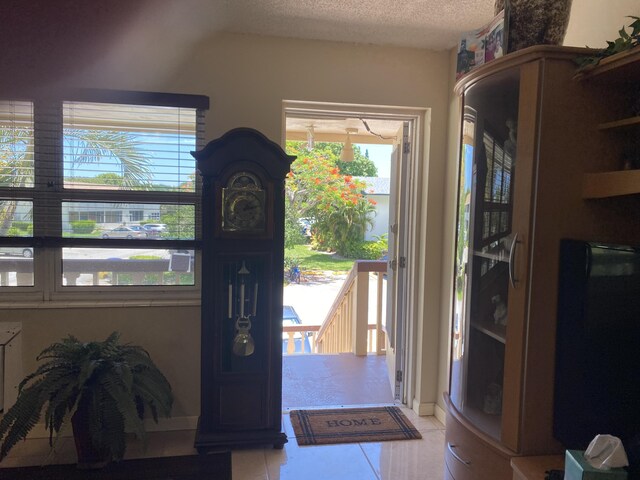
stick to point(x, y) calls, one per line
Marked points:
point(215, 441)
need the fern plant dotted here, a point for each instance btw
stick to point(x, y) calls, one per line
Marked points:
point(101, 388)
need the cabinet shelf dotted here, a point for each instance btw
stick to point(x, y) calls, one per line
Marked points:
point(621, 67)
point(501, 256)
point(497, 332)
point(625, 122)
point(610, 184)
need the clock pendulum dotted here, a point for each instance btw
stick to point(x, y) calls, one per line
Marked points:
point(243, 343)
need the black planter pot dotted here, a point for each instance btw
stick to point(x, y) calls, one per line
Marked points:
point(89, 457)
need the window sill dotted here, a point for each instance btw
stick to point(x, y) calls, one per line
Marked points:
point(115, 303)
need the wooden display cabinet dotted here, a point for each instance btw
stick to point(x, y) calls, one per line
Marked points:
point(531, 132)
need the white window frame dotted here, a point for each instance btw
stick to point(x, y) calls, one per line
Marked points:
point(48, 195)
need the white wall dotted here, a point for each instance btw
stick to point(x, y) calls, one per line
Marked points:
point(247, 78)
point(381, 220)
point(593, 22)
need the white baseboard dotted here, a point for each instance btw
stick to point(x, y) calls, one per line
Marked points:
point(423, 409)
point(163, 425)
point(440, 414)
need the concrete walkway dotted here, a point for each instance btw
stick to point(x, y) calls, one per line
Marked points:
point(313, 296)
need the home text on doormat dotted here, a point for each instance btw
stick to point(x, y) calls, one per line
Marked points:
point(351, 425)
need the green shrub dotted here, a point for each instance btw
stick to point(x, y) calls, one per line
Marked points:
point(292, 231)
point(83, 226)
point(24, 226)
point(365, 250)
point(15, 232)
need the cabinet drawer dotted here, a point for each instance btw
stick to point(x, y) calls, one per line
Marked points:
point(468, 457)
point(447, 474)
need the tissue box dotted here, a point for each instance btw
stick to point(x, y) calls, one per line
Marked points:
point(576, 467)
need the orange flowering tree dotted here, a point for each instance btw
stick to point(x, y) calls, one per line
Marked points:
point(335, 203)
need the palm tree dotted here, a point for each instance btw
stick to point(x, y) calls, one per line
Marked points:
point(81, 147)
point(16, 168)
point(95, 146)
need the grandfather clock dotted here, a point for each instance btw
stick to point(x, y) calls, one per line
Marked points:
point(243, 176)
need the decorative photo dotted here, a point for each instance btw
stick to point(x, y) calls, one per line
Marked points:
point(495, 46)
point(482, 45)
point(471, 51)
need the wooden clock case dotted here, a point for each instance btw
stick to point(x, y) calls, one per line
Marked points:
point(241, 395)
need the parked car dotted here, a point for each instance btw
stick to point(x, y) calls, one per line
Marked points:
point(124, 232)
point(290, 317)
point(154, 229)
point(25, 252)
point(138, 228)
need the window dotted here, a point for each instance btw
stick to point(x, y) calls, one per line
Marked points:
point(84, 184)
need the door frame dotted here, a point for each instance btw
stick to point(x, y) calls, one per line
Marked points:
point(415, 231)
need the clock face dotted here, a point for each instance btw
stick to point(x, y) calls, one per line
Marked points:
point(244, 210)
point(243, 203)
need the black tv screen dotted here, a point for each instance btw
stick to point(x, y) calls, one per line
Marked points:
point(597, 373)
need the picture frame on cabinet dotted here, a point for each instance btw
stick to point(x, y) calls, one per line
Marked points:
point(482, 45)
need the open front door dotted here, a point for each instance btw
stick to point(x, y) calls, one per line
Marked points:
point(396, 268)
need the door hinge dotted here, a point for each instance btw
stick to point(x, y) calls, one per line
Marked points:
point(398, 375)
point(393, 228)
point(406, 147)
point(402, 262)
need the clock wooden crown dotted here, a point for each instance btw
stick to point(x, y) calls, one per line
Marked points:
point(239, 172)
point(240, 145)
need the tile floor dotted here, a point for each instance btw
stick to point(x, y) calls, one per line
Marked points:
point(319, 380)
point(338, 380)
point(397, 460)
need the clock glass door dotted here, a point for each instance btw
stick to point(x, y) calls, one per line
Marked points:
point(245, 333)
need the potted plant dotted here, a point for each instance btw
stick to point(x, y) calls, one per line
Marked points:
point(101, 389)
point(626, 41)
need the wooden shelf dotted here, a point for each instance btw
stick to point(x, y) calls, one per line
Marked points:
point(501, 256)
point(625, 122)
point(497, 332)
point(611, 184)
point(621, 67)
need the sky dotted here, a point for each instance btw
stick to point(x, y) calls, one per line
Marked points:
point(381, 156)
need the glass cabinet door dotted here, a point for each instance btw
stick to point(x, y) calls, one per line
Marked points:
point(483, 248)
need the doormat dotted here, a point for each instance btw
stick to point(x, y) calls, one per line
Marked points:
point(351, 425)
point(215, 466)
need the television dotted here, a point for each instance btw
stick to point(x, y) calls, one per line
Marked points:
point(597, 365)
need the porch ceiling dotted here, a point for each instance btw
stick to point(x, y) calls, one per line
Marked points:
point(335, 129)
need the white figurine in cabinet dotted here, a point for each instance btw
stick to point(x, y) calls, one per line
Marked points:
point(500, 310)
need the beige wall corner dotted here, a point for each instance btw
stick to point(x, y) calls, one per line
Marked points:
point(593, 22)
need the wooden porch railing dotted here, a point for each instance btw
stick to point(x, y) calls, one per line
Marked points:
point(346, 327)
point(308, 331)
point(119, 271)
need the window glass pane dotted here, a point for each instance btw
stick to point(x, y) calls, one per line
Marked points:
point(16, 144)
point(128, 220)
point(126, 267)
point(16, 266)
point(129, 147)
point(16, 218)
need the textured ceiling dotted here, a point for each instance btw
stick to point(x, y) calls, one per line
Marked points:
point(78, 37)
point(433, 24)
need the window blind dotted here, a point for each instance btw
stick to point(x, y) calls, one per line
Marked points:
point(105, 174)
